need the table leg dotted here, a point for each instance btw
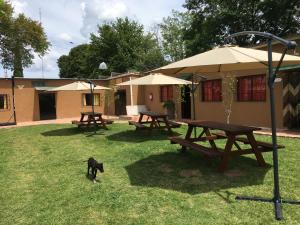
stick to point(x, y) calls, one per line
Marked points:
point(82, 117)
point(141, 118)
point(226, 154)
point(211, 142)
point(167, 125)
point(187, 136)
point(258, 155)
point(103, 122)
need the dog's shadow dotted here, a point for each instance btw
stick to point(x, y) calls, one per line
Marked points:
point(90, 178)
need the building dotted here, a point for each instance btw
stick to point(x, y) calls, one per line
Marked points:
point(250, 106)
point(34, 101)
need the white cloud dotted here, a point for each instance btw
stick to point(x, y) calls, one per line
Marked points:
point(19, 6)
point(98, 11)
point(65, 37)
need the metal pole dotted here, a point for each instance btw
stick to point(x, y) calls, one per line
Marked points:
point(93, 108)
point(277, 198)
point(271, 80)
point(194, 108)
point(13, 97)
point(131, 96)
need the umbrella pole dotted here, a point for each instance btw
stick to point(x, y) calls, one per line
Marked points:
point(13, 97)
point(93, 108)
point(272, 75)
point(194, 109)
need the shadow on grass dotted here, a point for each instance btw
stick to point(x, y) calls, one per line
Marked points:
point(189, 173)
point(73, 131)
point(141, 136)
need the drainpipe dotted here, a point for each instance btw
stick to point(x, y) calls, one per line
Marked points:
point(131, 96)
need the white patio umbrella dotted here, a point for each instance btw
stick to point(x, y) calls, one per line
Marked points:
point(154, 79)
point(78, 86)
point(225, 59)
point(81, 86)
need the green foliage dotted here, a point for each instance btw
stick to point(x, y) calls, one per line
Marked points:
point(172, 31)
point(19, 38)
point(169, 104)
point(122, 45)
point(212, 20)
point(75, 64)
point(228, 93)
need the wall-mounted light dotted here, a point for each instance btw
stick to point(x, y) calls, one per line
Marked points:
point(151, 97)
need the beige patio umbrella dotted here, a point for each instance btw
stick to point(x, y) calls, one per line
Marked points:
point(78, 86)
point(81, 86)
point(225, 59)
point(155, 79)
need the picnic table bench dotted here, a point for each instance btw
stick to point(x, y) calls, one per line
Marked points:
point(233, 135)
point(155, 120)
point(89, 119)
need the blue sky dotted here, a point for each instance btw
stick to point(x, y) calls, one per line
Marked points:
point(68, 21)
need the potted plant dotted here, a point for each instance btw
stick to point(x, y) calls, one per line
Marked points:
point(170, 108)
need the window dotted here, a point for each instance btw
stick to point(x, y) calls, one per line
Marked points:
point(87, 99)
point(251, 88)
point(166, 93)
point(212, 90)
point(3, 102)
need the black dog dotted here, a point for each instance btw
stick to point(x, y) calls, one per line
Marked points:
point(92, 163)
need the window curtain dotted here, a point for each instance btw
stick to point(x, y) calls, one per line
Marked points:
point(5, 102)
point(84, 99)
point(166, 93)
point(97, 99)
point(212, 90)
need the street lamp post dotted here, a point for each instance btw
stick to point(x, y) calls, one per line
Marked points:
point(102, 66)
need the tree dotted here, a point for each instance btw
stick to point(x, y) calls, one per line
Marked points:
point(228, 93)
point(124, 46)
point(75, 64)
point(19, 38)
point(172, 30)
point(212, 20)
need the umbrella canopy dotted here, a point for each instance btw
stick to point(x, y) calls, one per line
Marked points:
point(155, 79)
point(224, 59)
point(78, 86)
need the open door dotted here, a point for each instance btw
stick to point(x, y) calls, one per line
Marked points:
point(186, 102)
point(47, 106)
point(120, 102)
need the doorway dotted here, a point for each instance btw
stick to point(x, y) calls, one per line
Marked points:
point(47, 106)
point(120, 102)
point(186, 102)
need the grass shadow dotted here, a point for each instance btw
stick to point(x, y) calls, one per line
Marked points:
point(62, 132)
point(141, 136)
point(191, 174)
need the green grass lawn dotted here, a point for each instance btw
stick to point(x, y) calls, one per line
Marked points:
point(146, 180)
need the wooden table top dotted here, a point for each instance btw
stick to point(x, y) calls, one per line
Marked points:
point(91, 113)
point(154, 114)
point(231, 128)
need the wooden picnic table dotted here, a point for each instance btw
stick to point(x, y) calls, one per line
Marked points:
point(89, 119)
point(156, 121)
point(233, 133)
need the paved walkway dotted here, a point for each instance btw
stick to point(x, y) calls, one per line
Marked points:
point(280, 133)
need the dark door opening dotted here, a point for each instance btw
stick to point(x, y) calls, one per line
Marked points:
point(120, 102)
point(186, 102)
point(47, 106)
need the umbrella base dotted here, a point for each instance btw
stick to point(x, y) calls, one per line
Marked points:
point(277, 203)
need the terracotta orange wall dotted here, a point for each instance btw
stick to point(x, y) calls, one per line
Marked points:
point(137, 92)
point(247, 113)
point(68, 103)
